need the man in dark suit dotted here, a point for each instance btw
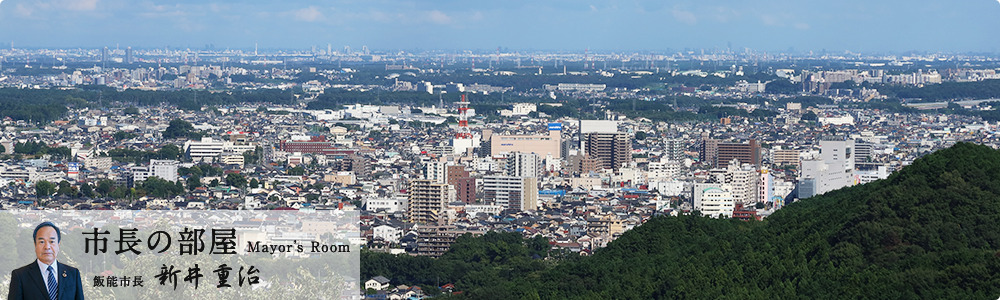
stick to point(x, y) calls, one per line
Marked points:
point(45, 278)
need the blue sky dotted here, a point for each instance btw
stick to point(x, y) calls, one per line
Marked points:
point(855, 25)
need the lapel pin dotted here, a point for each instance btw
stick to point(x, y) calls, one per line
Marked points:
point(64, 274)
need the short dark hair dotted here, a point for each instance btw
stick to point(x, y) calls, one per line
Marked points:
point(34, 235)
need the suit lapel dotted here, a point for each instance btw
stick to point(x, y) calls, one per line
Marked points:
point(36, 278)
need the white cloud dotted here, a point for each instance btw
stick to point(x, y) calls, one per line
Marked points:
point(724, 14)
point(308, 14)
point(23, 10)
point(684, 16)
point(802, 26)
point(478, 16)
point(80, 5)
point(770, 20)
point(438, 17)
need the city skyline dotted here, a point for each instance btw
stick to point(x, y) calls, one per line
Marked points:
point(885, 26)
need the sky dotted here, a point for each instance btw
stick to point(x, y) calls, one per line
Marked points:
point(572, 25)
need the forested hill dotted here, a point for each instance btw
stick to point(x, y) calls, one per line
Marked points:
point(930, 231)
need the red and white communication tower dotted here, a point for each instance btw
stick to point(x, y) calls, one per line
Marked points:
point(463, 120)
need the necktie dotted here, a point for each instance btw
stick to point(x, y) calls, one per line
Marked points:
point(52, 284)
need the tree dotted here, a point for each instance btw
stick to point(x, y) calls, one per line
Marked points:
point(214, 183)
point(297, 170)
point(254, 183)
point(122, 135)
point(65, 189)
point(61, 152)
point(809, 116)
point(104, 187)
point(169, 151)
point(161, 188)
point(236, 180)
point(44, 189)
point(131, 110)
point(640, 135)
point(252, 157)
point(782, 86)
point(178, 129)
point(86, 190)
point(193, 183)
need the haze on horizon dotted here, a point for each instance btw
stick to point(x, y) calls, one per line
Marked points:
point(853, 25)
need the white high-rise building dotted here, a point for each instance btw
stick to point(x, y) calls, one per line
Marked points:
point(714, 200)
point(164, 169)
point(520, 164)
point(833, 170)
point(511, 192)
point(436, 171)
point(744, 182)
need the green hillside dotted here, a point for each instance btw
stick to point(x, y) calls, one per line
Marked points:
point(930, 231)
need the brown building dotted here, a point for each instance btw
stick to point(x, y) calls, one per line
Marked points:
point(315, 145)
point(611, 150)
point(466, 189)
point(707, 150)
point(453, 173)
point(582, 164)
point(719, 154)
point(748, 153)
point(465, 185)
point(434, 241)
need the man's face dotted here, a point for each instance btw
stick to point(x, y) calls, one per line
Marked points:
point(46, 245)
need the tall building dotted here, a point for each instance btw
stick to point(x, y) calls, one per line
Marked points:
point(744, 183)
point(434, 241)
point(105, 56)
point(862, 153)
point(511, 193)
point(436, 171)
point(673, 149)
point(834, 169)
point(720, 154)
point(582, 164)
point(128, 55)
point(522, 165)
point(748, 153)
point(765, 187)
point(707, 150)
point(463, 183)
point(465, 189)
point(713, 199)
point(427, 201)
point(611, 150)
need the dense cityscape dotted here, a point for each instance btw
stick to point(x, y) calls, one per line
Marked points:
point(577, 148)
